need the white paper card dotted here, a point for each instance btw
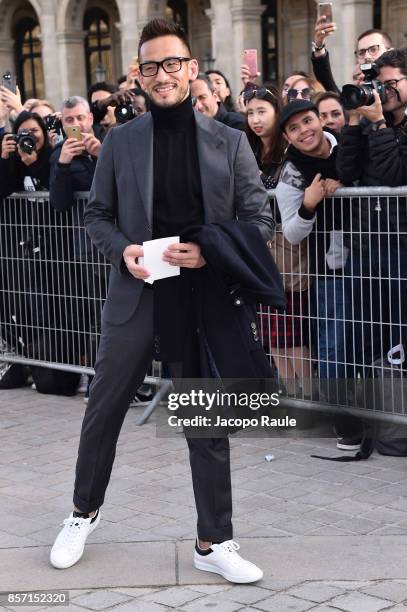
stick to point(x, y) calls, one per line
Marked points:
point(153, 261)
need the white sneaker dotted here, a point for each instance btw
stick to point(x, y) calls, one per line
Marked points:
point(225, 561)
point(70, 543)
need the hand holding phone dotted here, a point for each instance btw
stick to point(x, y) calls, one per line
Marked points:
point(9, 81)
point(325, 12)
point(250, 59)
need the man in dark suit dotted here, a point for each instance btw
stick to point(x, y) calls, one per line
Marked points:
point(167, 170)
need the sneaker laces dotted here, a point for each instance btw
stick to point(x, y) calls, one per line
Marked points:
point(70, 535)
point(229, 547)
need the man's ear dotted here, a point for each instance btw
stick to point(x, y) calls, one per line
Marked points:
point(215, 95)
point(193, 69)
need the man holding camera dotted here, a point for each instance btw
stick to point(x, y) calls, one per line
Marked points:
point(371, 44)
point(373, 152)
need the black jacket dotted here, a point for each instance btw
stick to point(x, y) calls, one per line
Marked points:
point(65, 179)
point(13, 171)
point(375, 158)
point(230, 118)
point(323, 73)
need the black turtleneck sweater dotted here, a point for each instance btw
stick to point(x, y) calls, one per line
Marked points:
point(177, 181)
point(177, 204)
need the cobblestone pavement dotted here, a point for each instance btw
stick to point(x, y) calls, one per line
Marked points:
point(329, 536)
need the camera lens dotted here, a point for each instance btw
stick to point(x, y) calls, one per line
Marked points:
point(353, 96)
point(124, 113)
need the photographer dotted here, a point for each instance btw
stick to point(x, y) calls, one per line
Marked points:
point(373, 152)
point(110, 106)
point(73, 162)
point(24, 163)
point(371, 44)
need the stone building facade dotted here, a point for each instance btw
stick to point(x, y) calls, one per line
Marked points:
point(58, 47)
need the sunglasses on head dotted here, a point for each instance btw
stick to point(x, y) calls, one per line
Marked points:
point(257, 92)
point(292, 94)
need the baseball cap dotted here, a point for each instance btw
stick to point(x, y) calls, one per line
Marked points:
point(293, 108)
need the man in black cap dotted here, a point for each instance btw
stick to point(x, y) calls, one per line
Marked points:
point(308, 180)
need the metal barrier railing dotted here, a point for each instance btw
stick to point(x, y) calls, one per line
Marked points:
point(346, 285)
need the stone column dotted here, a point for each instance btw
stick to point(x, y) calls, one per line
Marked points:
point(352, 18)
point(221, 27)
point(50, 59)
point(6, 55)
point(246, 23)
point(72, 63)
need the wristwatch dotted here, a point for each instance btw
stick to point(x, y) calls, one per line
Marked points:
point(376, 124)
point(316, 47)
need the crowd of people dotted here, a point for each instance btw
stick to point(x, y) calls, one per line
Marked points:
point(336, 256)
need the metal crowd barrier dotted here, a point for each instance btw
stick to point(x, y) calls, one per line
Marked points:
point(342, 340)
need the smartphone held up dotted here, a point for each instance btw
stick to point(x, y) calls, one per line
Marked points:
point(325, 11)
point(250, 59)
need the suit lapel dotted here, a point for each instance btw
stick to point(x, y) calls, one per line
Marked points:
point(214, 168)
point(140, 141)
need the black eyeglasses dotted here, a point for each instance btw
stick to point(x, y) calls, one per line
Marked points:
point(373, 51)
point(392, 83)
point(169, 65)
point(293, 94)
point(259, 93)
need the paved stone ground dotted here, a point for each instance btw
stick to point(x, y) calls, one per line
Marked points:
point(329, 536)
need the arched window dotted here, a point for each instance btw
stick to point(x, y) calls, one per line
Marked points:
point(269, 40)
point(98, 46)
point(30, 74)
point(177, 11)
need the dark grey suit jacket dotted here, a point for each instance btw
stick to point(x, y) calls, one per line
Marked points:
point(120, 208)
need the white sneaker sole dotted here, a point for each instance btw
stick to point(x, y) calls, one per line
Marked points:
point(72, 562)
point(348, 447)
point(208, 567)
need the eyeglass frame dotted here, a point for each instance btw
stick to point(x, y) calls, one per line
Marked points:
point(159, 65)
point(308, 89)
point(359, 53)
point(249, 94)
point(387, 83)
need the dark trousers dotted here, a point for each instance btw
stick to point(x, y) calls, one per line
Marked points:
point(124, 355)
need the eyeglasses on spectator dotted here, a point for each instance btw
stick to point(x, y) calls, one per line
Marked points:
point(257, 92)
point(293, 94)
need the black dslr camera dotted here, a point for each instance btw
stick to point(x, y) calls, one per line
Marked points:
point(353, 96)
point(124, 112)
point(26, 141)
point(52, 122)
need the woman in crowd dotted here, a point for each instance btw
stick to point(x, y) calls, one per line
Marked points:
point(331, 111)
point(285, 335)
point(20, 168)
point(299, 87)
point(222, 89)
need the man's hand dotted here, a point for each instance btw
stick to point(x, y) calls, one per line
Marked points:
point(331, 185)
point(354, 117)
point(314, 193)
point(92, 144)
point(323, 28)
point(130, 257)
point(185, 255)
point(374, 112)
point(27, 158)
point(8, 146)
point(70, 149)
point(11, 100)
point(117, 99)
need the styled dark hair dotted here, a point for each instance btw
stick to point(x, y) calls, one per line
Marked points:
point(121, 79)
point(140, 92)
point(384, 34)
point(320, 96)
point(101, 86)
point(228, 102)
point(275, 154)
point(26, 116)
point(161, 27)
point(395, 58)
